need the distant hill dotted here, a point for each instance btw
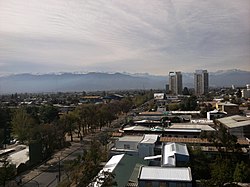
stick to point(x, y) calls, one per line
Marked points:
point(93, 81)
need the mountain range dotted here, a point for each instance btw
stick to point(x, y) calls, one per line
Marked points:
point(93, 81)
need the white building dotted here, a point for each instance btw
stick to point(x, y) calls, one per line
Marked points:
point(215, 114)
point(141, 146)
point(174, 154)
point(246, 92)
point(168, 176)
point(147, 145)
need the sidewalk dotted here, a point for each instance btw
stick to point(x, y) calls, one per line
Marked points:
point(55, 158)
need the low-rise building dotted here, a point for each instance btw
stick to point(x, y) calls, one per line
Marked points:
point(229, 108)
point(237, 125)
point(246, 92)
point(140, 146)
point(147, 145)
point(215, 114)
point(127, 144)
point(164, 176)
point(174, 154)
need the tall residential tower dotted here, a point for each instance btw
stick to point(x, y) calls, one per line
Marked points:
point(201, 83)
point(175, 83)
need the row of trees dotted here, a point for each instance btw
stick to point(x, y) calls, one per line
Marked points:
point(44, 123)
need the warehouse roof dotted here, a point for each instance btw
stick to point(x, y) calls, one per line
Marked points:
point(192, 126)
point(165, 173)
point(131, 138)
point(235, 121)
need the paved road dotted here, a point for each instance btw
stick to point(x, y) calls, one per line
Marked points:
point(47, 174)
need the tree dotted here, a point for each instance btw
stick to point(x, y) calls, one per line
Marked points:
point(22, 124)
point(221, 138)
point(173, 106)
point(48, 114)
point(241, 172)
point(189, 103)
point(7, 171)
point(107, 179)
point(221, 172)
point(185, 91)
point(199, 162)
point(5, 119)
point(69, 123)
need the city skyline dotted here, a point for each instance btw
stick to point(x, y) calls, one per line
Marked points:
point(117, 36)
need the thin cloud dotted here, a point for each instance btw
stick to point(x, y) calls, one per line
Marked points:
point(134, 36)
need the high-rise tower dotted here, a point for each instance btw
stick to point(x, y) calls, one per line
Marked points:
point(175, 83)
point(201, 83)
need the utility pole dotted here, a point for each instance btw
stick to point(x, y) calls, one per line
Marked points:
point(59, 170)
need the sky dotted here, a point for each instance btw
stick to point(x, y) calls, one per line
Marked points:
point(153, 36)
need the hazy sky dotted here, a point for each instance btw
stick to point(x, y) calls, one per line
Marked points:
point(153, 36)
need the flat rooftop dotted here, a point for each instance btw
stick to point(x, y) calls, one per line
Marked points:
point(131, 138)
point(165, 173)
point(202, 127)
point(235, 121)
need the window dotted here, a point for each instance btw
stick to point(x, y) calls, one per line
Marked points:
point(163, 184)
point(148, 184)
point(181, 184)
point(126, 146)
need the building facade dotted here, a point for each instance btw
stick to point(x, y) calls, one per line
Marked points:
point(201, 82)
point(175, 83)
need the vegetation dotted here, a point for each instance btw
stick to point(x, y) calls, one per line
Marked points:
point(44, 126)
point(7, 171)
point(228, 165)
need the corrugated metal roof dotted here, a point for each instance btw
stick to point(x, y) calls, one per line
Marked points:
point(181, 130)
point(170, 150)
point(150, 138)
point(136, 128)
point(166, 174)
point(123, 167)
point(131, 138)
point(196, 140)
point(113, 162)
point(235, 121)
point(192, 126)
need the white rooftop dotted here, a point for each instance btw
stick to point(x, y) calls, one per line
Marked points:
point(19, 157)
point(109, 167)
point(192, 126)
point(149, 138)
point(112, 163)
point(136, 128)
point(166, 174)
point(131, 138)
point(169, 150)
